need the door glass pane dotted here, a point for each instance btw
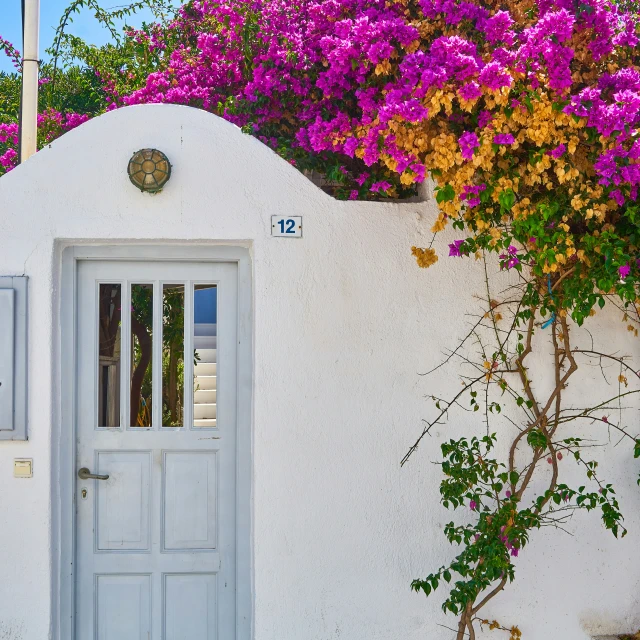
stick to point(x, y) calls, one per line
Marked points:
point(141, 350)
point(172, 355)
point(205, 304)
point(109, 317)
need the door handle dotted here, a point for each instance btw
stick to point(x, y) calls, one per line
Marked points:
point(85, 474)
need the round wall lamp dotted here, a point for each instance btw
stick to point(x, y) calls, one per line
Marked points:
point(149, 170)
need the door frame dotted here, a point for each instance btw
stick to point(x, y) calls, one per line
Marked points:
point(63, 437)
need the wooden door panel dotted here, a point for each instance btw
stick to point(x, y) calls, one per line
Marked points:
point(190, 606)
point(123, 604)
point(123, 501)
point(190, 500)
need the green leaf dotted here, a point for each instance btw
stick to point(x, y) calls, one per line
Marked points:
point(537, 439)
point(445, 194)
point(507, 199)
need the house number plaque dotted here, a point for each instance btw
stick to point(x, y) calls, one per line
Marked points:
point(286, 227)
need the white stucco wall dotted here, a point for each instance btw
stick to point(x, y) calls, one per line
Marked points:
point(343, 323)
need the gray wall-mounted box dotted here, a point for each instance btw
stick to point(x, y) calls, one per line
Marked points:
point(13, 358)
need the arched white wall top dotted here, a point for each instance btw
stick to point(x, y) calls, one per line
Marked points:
point(208, 138)
point(344, 322)
point(210, 157)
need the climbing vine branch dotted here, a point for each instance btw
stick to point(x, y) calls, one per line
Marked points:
point(509, 499)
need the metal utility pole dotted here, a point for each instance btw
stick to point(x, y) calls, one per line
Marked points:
point(30, 77)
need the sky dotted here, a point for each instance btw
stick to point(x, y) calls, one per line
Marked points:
point(84, 24)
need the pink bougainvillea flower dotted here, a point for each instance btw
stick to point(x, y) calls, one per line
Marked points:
point(380, 186)
point(616, 195)
point(484, 118)
point(473, 505)
point(624, 270)
point(509, 262)
point(470, 194)
point(454, 248)
point(9, 159)
point(509, 259)
point(468, 143)
point(503, 138)
point(495, 76)
point(558, 152)
point(470, 91)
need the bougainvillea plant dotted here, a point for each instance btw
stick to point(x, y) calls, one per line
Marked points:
point(526, 115)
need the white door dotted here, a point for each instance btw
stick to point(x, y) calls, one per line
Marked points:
point(156, 419)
